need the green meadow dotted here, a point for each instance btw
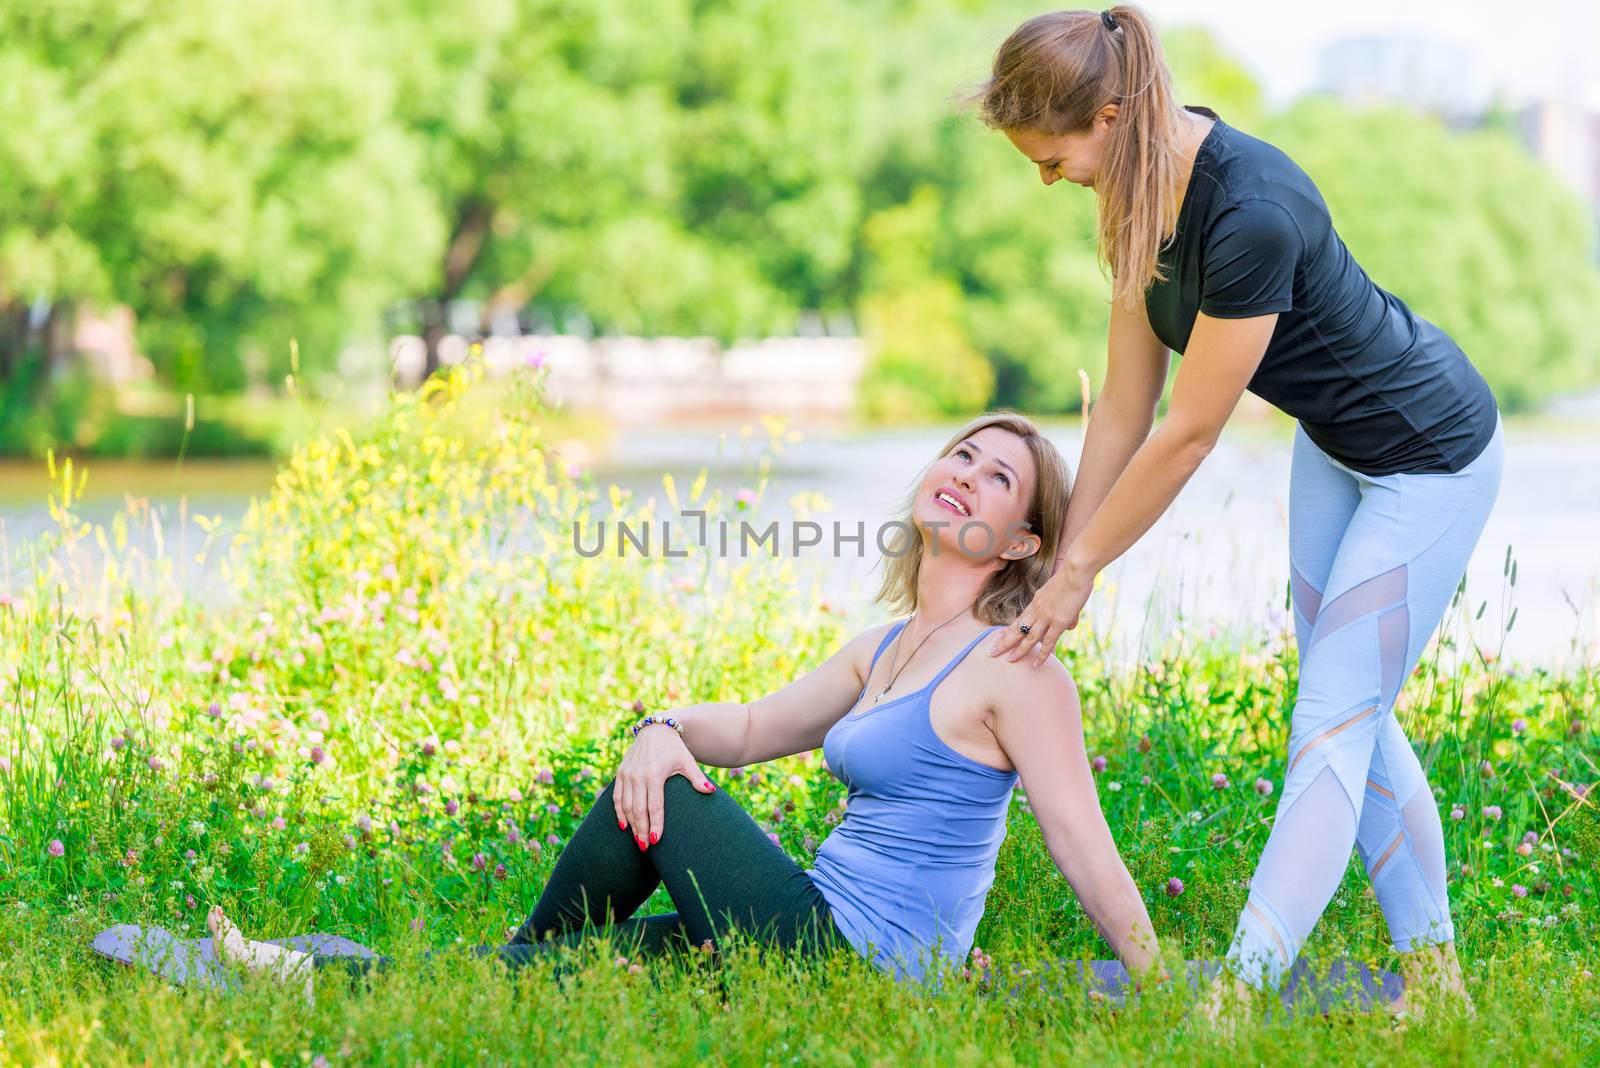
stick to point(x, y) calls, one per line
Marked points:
point(398, 689)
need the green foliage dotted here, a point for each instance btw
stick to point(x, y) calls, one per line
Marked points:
point(227, 170)
point(923, 365)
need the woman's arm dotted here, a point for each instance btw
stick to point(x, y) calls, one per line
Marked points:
point(730, 734)
point(1038, 723)
point(791, 720)
point(1136, 373)
point(1222, 357)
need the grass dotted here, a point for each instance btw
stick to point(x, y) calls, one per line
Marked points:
point(416, 687)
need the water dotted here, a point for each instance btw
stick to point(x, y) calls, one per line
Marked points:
point(1217, 559)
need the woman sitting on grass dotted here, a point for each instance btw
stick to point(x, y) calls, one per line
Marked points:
point(930, 755)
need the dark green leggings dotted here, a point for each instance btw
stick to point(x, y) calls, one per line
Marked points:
point(719, 867)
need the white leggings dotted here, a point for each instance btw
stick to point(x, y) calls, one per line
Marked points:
point(1374, 561)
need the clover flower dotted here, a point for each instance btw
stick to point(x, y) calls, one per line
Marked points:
point(1174, 886)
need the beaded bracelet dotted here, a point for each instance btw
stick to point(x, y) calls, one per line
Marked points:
point(667, 721)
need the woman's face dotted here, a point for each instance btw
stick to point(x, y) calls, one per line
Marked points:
point(1073, 156)
point(975, 498)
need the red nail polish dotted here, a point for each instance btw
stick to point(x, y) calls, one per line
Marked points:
point(655, 836)
point(622, 824)
point(636, 838)
point(710, 785)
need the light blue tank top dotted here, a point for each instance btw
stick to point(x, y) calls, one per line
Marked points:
point(908, 868)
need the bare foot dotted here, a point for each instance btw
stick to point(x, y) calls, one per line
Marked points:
point(1226, 1003)
point(1433, 981)
point(281, 963)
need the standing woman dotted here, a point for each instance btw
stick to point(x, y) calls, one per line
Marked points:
point(1221, 249)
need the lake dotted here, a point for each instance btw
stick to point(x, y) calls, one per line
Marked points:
point(1216, 562)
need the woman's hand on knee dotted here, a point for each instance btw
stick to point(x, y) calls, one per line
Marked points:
point(655, 756)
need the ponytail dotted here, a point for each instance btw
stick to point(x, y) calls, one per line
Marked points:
point(1053, 74)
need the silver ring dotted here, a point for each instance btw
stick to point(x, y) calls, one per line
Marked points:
point(1023, 627)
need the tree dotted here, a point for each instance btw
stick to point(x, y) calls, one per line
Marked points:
point(672, 168)
point(228, 170)
point(923, 363)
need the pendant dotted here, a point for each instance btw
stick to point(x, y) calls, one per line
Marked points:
point(881, 694)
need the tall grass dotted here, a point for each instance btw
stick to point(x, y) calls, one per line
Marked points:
point(411, 688)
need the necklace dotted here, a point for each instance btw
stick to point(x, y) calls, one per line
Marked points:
point(896, 674)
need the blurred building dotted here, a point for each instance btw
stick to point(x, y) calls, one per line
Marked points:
point(1435, 76)
point(1411, 69)
point(1564, 132)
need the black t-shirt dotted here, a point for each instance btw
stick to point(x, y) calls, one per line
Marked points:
point(1375, 386)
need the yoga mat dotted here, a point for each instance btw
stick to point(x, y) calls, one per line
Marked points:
point(193, 962)
point(1343, 984)
point(1307, 989)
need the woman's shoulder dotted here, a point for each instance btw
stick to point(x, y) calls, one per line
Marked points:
point(1251, 173)
point(1017, 685)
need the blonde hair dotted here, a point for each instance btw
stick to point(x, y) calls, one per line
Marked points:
point(1051, 75)
point(1009, 589)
